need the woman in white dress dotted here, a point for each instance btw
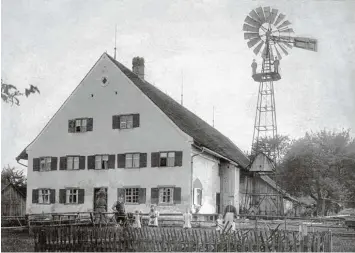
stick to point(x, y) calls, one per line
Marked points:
point(153, 217)
point(137, 220)
point(187, 216)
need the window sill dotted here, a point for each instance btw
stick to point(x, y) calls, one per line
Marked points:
point(130, 168)
point(47, 204)
point(166, 204)
point(71, 204)
point(132, 204)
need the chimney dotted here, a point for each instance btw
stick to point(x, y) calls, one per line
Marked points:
point(138, 67)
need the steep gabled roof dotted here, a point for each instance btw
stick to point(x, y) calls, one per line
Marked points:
point(203, 134)
point(22, 190)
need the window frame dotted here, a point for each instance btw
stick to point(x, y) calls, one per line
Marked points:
point(167, 163)
point(128, 119)
point(68, 194)
point(198, 202)
point(72, 157)
point(83, 127)
point(40, 194)
point(103, 163)
point(46, 163)
point(160, 201)
point(131, 157)
point(132, 195)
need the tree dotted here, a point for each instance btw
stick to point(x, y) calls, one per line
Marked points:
point(10, 94)
point(267, 144)
point(14, 176)
point(321, 165)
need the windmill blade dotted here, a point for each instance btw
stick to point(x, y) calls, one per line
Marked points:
point(278, 53)
point(267, 14)
point(273, 15)
point(249, 28)
point(260, 12)
point(286, 44)
point(283, 49)
point(252, 22)
point(257, 49)
point(254, 16)
point(288, 30)
point(306, 43)
point(263, 54)
point(248, 36)
point(285, 23)
point(279, 19)
point(253, 42)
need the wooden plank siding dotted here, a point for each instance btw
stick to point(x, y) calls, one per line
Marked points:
point(256, 192)
point(13, 203)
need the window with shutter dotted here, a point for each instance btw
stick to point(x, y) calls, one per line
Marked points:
point(142, 196)
point(80, 125)
point(111, 161)
point(154, 195)
point(34, 196)
point(115, 122)
point(45, 163)
point(132, 160)
point(73, 163)
point(44, 196)
point(178, 158)
point(132, 195)
point(166, 195)
point(155, 156)
point(63, 163)
point(143, 160)
point(121, 160)
point(101, 162)
point(36, 164)
point(91, 162)
point(72, 196)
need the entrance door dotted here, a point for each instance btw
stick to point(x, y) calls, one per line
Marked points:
point(96, 190)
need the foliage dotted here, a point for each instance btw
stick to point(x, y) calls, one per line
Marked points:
point(14, 176)
point(267, 144)
point(321, 165)
point(10, 94)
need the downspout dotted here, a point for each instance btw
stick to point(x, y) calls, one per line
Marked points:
point(192, 178)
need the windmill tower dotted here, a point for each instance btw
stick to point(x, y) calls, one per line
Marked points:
point(269, 34)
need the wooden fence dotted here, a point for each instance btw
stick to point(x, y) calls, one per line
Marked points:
point(117, 239)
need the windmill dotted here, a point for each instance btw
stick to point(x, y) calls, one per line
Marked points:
point(269, 34)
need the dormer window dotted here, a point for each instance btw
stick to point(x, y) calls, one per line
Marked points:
point(80, 125)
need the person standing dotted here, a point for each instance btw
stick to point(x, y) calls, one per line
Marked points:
point(137, 220)
point(187, 216)
point(219, 222)
point(254, 66)
point(153, 217)
point(276, 64)
point(100, 204)
point(120, 210)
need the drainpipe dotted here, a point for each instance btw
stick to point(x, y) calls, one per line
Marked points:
point(192, 177)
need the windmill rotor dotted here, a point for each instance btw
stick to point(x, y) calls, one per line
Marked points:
point(265, 27)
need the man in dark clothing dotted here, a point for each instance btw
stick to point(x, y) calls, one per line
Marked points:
point(119, 207)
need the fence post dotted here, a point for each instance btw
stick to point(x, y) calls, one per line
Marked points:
point(330, 241)
point(303, 236)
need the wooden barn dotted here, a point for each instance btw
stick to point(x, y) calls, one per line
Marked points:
point(260, 195)
point(13, 200)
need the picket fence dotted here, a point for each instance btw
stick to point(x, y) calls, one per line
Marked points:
point(71, 238)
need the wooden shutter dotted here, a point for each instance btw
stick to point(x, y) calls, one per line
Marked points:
point(63, 163)
point(155, 157)
point(115, 122)
point(177, 195)
point(142, 196)
point(34, 196)
point(91, 162)
point(121, 160)
point(62, 196)
point(36, 164)
point(121, 192)
point(71, 126)
point(111, 162)
point(52, 196)
point(154, 196)
point(178, 158)
point(135, 120)
point(82, 162)
point(89, 124)
point(54, 163)
point(81, 196)
point(143, 160)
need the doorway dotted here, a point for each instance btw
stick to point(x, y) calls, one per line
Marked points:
point(96, 190)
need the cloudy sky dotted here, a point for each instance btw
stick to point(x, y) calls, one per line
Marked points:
point(54, 43)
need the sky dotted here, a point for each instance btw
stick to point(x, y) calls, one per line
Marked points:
point(52, 44)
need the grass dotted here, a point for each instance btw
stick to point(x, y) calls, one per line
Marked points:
point(17, 241)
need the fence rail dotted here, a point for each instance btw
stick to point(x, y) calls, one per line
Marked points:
point(110, 239)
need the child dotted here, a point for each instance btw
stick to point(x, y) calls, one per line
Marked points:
point(137, 220)
point(187, 216)
point(153, 217)
point(220, 223)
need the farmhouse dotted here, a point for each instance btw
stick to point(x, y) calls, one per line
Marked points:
point(119, 132)
point(13, 200)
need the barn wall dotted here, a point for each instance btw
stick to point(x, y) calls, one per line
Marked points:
point(12, 202)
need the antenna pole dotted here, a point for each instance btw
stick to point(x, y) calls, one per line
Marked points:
point(114, 56)
point(213, 117)
point(182, 88)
